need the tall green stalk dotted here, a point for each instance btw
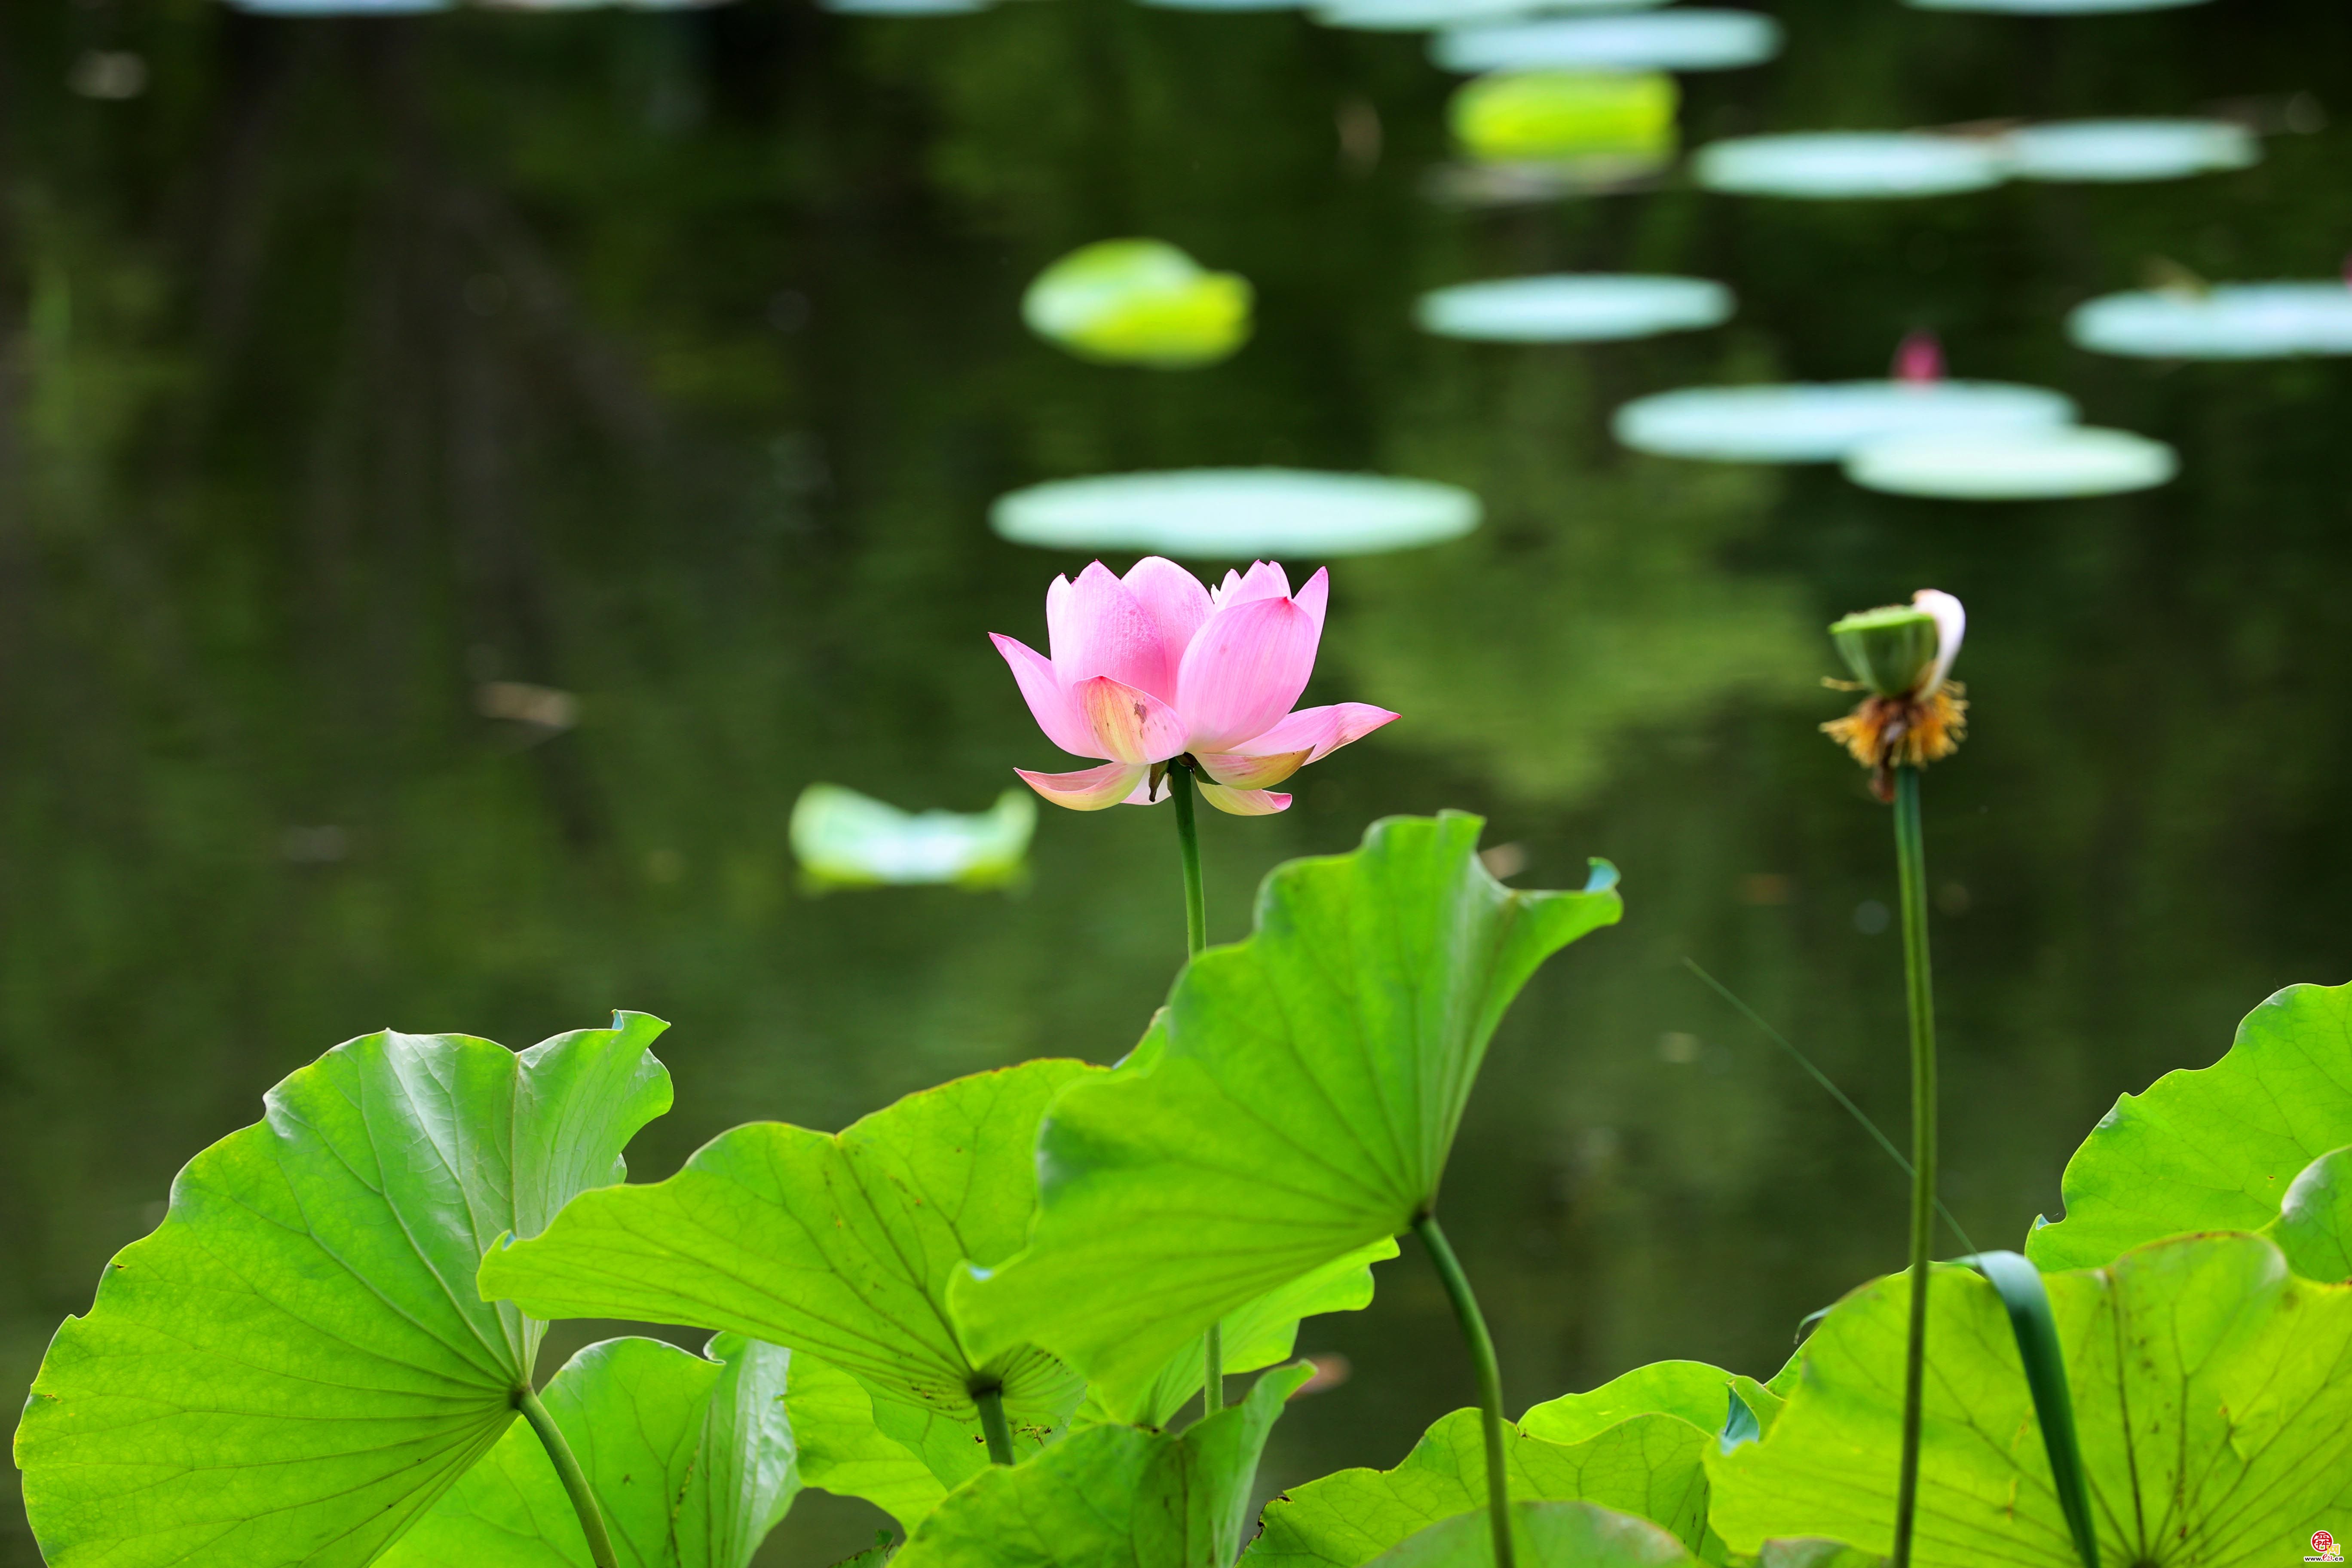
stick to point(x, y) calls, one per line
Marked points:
point(991, 1424)
point(1196, 937)
point(1489, 1374)
point(574, 1479)
point(1911, 859)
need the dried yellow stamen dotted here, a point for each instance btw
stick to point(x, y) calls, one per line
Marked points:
point(1885, 732)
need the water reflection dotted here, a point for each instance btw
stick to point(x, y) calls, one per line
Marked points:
point(673, 362)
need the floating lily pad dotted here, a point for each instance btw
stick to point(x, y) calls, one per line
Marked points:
point(1522, 115)
point(2052, 8)
point(1425, 16)
point(2049, 464)
point(1572, 308)
point(1222, 5)
point(904, 7)
point(1678, 40)
point(1235, 514)
point(1139, 301)
point(339, 7)
point(846, 840)
point(1850, 165)
point(2232, 322)
point(1822, 422)
point(2124, 150)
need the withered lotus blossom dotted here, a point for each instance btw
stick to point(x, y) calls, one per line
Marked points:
point(1912, 713)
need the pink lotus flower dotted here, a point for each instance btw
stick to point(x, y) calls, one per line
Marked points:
point(1152, 666)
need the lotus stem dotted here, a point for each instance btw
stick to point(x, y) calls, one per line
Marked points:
point(992, 1422)
point(1911, 861)
point(574, 1479)
point(1196, 937)
point(1490, 1380)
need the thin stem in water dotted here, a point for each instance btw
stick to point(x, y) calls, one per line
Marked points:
point(992, 1422)
point(1196, 937)
point(574, 1479)
point(1490, 1380)
point(1911, 859)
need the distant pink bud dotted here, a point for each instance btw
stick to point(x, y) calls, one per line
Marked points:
point(1919, 359)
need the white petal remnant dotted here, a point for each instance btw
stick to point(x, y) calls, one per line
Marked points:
point(2233, 321)
point(1573, 308)
point(2062, 463)
point(843, 838)
point(1850, 165)
point(1234, 514)
point(1822, 422)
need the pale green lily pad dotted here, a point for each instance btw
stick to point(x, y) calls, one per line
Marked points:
point(691, 1458)
point(1572, 308)
point(2052, 8)
point(295, 1366)
point(1681, 39)
point(1647, 1464)
point(1114, 1495)
point(1139, 301)
point(1516, 116)
point(843, 838)
point(1236, 514)
point(2112, 151)
point(1822, 422)
point(1544, 1535)
point(1850, 165)
point(2060, 462)
point(2214, 1148)
point(840, 1246)
point(1302, 1106)
point(339, 7)
point(1425, 16)
point(2212, 1393)
point(2230, 321)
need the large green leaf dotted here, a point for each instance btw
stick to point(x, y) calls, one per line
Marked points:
point(1699, 1393)
point(1302, 1105)
point(1651, 1464)
point(2213, 1149)
point(2213, 1393)
point(1113, 1497)
point(1257, 1335)
point(839, 1245)
point(691, 1458)
point(295, 1364)
point(1544, 1535)
point(843, 1451)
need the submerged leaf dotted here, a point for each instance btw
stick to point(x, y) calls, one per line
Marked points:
point(1545, 1535)
point(296, 1364)
point(1114, 1495)
point(691, 1458)
point(1302, 1106)
point(840, 1246)
point(2213, 1149)
point(2212, 1395)
point(1646, 1464)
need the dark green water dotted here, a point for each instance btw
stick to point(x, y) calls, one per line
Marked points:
point(672, 361)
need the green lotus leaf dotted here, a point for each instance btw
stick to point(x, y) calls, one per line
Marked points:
point(2213, 1393)
point(1301, 1107)
point(295, 1364)
point(844, 1451)
point(1139, 302)
point(2314, 1224)
point(840, 1246)
point(1651, 1464)
point(1256, 1335)
point(1545, 1535)
point(1813, 1551)
point(1114, 1495)
point(1512, 116)
point(2213, 1149)
point(845, 839)
point(691, 1458)
point(1693, 1390)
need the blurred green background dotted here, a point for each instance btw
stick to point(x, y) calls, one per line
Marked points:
point(673, 360)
